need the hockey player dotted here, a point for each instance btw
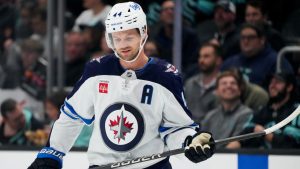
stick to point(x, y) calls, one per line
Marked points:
point(135, 102)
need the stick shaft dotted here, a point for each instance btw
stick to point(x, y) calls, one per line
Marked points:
point(240, 137)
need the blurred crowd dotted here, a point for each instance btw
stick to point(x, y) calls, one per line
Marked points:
point(229, 58)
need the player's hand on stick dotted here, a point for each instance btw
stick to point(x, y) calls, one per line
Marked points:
point(48, 158)
point(198, 148)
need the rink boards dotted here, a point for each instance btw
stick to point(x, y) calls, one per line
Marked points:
point(78, 160)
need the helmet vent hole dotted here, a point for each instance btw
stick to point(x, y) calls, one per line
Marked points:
point(114, 29)
point(121, 27)
point(129, 10)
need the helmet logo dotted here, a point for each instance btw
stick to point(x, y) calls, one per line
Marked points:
point(135, 6)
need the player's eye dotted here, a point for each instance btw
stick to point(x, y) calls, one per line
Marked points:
point(129, 39)
point(117, 39)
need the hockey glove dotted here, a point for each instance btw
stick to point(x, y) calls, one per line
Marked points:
point(198, 148)
point(48, 158)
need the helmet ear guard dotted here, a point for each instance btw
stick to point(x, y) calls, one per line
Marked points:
point(109, 40)
point(126, 16)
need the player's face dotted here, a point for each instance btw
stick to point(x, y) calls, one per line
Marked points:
point(250, 43)
point(207, 59)
point(228, 89)
point(127, 43)
point(253, 15)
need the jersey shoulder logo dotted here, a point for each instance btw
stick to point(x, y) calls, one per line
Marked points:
point(97, 59)
point(171, 68)
point(121, 126)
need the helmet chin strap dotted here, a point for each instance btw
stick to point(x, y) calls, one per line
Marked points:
point(142, 43)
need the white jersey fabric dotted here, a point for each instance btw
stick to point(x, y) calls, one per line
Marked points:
point(135, 113)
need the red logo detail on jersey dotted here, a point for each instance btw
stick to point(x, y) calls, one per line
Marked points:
point(120, 128)
point(171, 68)
point(103, 87)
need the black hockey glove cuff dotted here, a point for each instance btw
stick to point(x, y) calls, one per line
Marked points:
point(48, 158)
point(198, 148)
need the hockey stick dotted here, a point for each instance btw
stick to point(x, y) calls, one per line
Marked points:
point(220, 141)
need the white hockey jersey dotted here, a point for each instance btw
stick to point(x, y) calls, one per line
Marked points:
point(135, 113)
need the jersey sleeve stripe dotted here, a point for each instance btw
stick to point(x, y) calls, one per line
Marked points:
point(62, 109)
point(194, 125)
point(86, 121)
point(163, 129)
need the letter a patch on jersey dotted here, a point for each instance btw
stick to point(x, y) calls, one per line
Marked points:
point(103, 87)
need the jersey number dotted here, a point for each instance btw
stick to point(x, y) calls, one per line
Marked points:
point(147, 94)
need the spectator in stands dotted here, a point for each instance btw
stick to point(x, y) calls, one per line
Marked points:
point(256, 14)
point(151, 49)
point(257, 59)
point(8, 15)
point(199, 89)
point(10, 62)
point(23, 24)
point(162, 34)
point(96, 10)
point(33, 74)
point(39, 25)
point(23, 61)
point(282, 103)
point(92, 36)
point(52, 107)
point(75, 48)
point(253, 96)
point(103, 48)
point(229, 118)
point(16, 122)
point(31, 51)
point(227, 35)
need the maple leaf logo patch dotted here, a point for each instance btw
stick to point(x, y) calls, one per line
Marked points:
point(120, 127)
